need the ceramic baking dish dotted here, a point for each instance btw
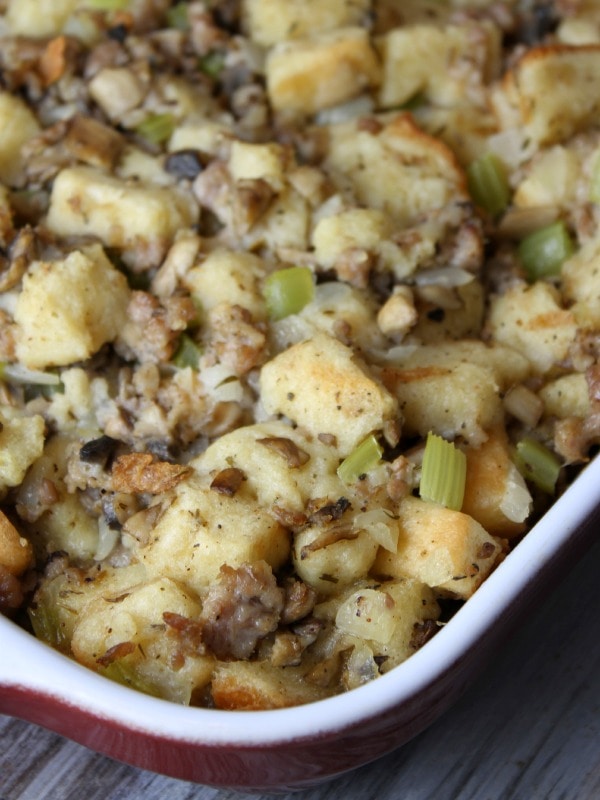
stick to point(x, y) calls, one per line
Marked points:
point(298, 747)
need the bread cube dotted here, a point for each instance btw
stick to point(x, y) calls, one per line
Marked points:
point(462, 401)
point(18, 125)
point(124, 638)
point(68, 309)
point(495, 493)
point(271, 473)
point(552, 92)
point(360, 228)
point(258, 685)
point(198, 529)
point(447, 550)
point(394, 167)
point(447, 65)
point(16, 553)
point(531, 320)
point(453, 388)
point(384, 615)
point(567, 396)
point(37, 18)
point(328, 567)
point(580, 285)
point(227, 276)
point(249, 161)
point(320, 385)
point(323, 70)
point(21, 443)
point(270, 21)
point(87, 202)
point(551, 179)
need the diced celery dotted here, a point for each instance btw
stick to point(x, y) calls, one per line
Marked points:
point(156, 128)
point(362, 459)
point(177, 17)
point(188, 353)
point(544, 251)
point(212, 64)
point(109, 5)
point(443, 473)
point(488, 184)
point(287, 291)
point(537, 464)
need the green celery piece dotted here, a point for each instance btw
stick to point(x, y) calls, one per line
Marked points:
point(109, 5)
point(537, 464)
point(156, 128)
point(443, 473)
point(188, 353)
point(287, 291)
point(544, 251)
point(362, 459)
point(488, 184)
point(177, 17)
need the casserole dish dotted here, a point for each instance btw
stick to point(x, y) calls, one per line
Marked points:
point(287, 749)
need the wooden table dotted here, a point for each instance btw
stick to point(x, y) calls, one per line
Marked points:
point(529, 729)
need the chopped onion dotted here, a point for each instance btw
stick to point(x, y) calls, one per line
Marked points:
point(380, 526)
point(516, 503)
point(107, 540)
point(16, 373)
point(449, 277)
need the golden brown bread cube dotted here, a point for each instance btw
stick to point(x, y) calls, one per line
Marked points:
point(495, 493)
point(16, 553)
point(319, 384)
point(445, 549)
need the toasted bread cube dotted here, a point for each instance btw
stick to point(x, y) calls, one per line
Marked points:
point(446, 65)
point(258, 685)
point(454, 388)
point(567, 396)
point(581, 284)
point(18, 125)
point(462, 401)
point(551, 179)
point(355, 228)
point(272, 474)
point(271, 21)
point(198, 530)
point(553, 92)
point(530, 319)
point(123, 636)
point(226, 276)
point(329, 567)
point(385, 616)
point(85, 201)
point(396, 168)
point(68, 309)
point(37, 18)
point(21, 443)
point(309, 75)
point(495, 493)
point(320, 386)
point(16, 553)
point(447, 550)
point(250, 161)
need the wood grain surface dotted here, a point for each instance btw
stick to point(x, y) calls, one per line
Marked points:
point(528, 729)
